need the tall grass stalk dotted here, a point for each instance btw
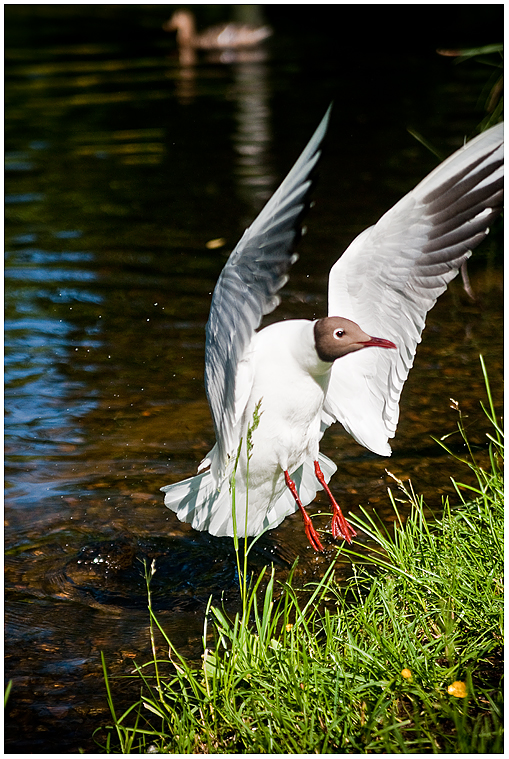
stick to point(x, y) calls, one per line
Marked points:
point(403, 658)
point(242, 572)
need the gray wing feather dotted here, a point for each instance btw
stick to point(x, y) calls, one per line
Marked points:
point(393, 273)
point(248, 285)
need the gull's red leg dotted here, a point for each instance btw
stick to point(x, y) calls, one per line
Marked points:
point(311, 533)
point(339, 524)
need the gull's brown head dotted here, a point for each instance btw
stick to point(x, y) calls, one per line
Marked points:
point(335, 337)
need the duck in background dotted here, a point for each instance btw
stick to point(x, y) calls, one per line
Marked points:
point(230, 36)
point(218, 37)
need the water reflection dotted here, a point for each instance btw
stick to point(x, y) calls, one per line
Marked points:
point(251, 93)
point(252, 139)
point(114, 186)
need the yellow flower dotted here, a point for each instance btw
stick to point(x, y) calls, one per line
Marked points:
point(458, 689)
point(288, 627)
point(406, 673)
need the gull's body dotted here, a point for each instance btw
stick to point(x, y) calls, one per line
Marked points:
point(300, 376)
point(286, 438)
point(288, 430)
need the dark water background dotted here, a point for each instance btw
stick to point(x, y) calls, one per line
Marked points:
point(121, 166)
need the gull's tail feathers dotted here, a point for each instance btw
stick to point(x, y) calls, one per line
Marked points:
point(200, 502)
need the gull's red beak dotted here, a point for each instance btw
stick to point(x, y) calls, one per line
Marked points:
point(379, 342)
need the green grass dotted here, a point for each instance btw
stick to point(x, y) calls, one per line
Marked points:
point(404, 658)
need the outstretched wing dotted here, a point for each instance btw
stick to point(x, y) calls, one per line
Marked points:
point(392, 274)
point(247, 289)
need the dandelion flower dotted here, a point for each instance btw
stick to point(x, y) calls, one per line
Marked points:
point(458, 689)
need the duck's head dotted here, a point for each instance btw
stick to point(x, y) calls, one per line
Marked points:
point(182, 22)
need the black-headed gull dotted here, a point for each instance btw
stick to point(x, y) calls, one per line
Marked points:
point(272, 393)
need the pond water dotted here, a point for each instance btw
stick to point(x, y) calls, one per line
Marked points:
point(121, 167)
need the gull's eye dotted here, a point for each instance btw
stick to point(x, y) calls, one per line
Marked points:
point(338, 333)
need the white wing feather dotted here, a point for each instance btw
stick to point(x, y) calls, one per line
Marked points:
point(246, 290)
point(393, 273)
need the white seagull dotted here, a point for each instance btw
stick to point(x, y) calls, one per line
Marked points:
point(272, 393)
